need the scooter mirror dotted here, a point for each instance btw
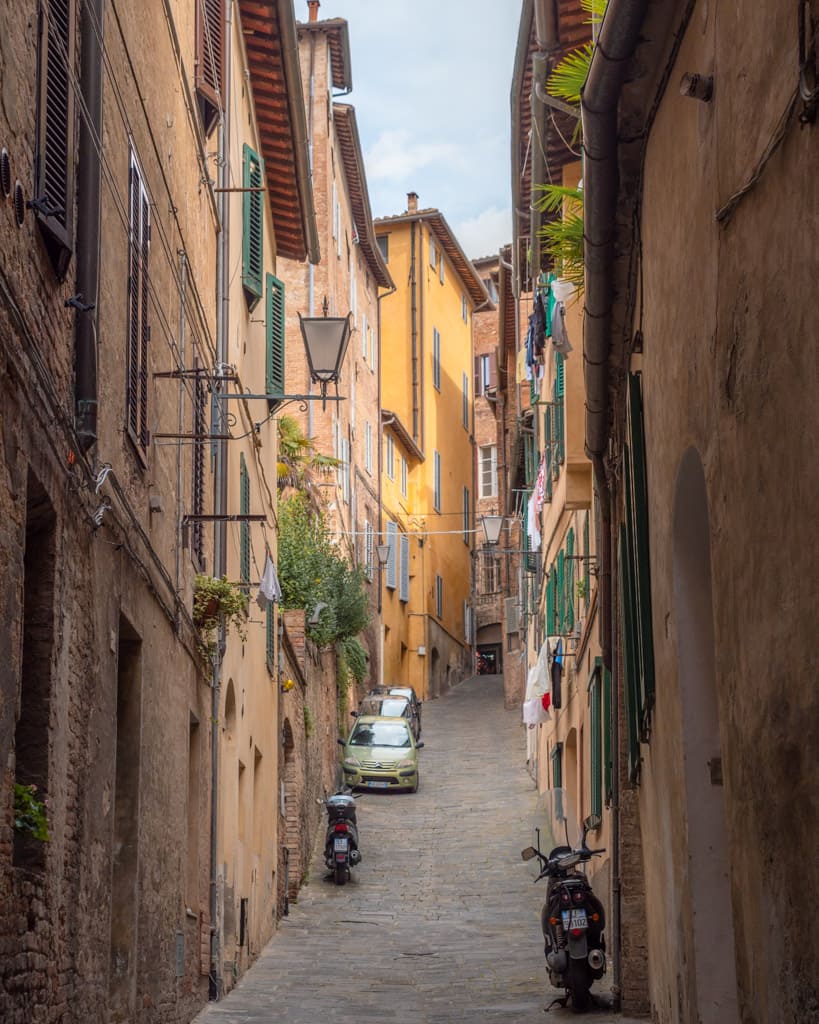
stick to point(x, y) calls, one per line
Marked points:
point(528, 853)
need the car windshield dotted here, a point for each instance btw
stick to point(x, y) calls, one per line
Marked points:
point(380, 734)
point(395, 706)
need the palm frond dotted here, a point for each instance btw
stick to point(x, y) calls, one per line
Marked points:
point(555, 197)
point(569, 75)
point(596, 8)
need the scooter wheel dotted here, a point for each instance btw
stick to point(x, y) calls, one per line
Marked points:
point(578, 983)
point(341, 874)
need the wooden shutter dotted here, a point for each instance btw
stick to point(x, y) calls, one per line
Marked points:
point(557, 766)
point(274, 328)
point(493, 370)
point(477, 391)
point(252, 226)
point(561, 592)
point(244, 509)
point(392, 531)
point(570, 582)
point(628, 625)
point(209, 60)
point(550, 602)
point(404, 578)
point(53, 203)
point(139, 331)
point(198, 483)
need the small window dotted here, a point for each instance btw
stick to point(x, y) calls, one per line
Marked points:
point(464, 308)
point(404, 477)
point(390, 457)
point(209, 61)
point(368, 447)
point(404, 578)
point(369, 550)
point(432, 253)
point(365, 340)
point(436, 358)
point(441, 269)
point(467, 512)
point(391, 574)
point(383, 242)
point(139, 330)
point(488, 471)
point(465, 400)
point(439, 596)
point(274, 328)
point(436, 481)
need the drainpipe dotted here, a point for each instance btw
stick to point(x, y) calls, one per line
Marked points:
point(599, 107)
point(414, 332)
point(311, 268)
point(220, 494)
point(88, 225)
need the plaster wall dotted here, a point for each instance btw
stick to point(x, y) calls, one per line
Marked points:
point(730, 370)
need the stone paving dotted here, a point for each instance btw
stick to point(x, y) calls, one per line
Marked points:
point(440, 922)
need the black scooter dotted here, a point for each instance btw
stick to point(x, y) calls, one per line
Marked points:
point(341, 840)
point(572, 918)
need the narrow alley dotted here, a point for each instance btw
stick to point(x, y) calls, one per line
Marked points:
point(440, 921)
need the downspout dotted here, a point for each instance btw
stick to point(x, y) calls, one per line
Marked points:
point(311, 268)
point(220, 494)
point(88, 225)
point(599, 108)
point(414, 332)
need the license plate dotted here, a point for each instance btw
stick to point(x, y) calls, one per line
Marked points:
point(377, 785)
point(340, 844)
point(577, 918)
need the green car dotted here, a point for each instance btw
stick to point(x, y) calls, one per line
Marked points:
point(381, 753)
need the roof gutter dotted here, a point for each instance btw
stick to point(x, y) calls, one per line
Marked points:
point(599, 102)
point(298, 123)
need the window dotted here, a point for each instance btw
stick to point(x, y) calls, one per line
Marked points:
point(465, 400)
point(404, 575)
point(368, 447)
point(390, 457)
point(436, 481)
point(244, 525)
point(557, 766)
point(441, 269)
point(383, 242)
point(464, 308)
point(467, 513)
point(439, 596)
point(274, 329)
point(436, 358)
point(488, 471)
point(489, 579)
point(404, 477)
point(432, 253)
point(467, 623)
point(139, 330)
point(485, 373)
point(53, 203)
point(252, 226)
point(369, 549)
point(390, 576)
point(365, 340)
point(371, 344)
point(209, 61)
point(200, 428)
point(345, 470)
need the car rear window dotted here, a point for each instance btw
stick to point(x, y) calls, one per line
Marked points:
point(380, 734)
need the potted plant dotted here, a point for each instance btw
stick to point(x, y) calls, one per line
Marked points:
point(215, 598)
point(30, 814)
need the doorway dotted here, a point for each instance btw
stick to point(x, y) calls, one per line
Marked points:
point(709, 864)
point(489, 659)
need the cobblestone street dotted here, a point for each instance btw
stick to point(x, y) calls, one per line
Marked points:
point(440, 921)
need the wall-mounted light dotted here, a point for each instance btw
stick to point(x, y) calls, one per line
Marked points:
point(325, 341)
point(492, 529)
point(383, 552)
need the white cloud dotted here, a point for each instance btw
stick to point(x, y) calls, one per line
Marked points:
point(485, 234)
point(395, 154)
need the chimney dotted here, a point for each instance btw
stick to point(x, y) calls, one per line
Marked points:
point(412, 202)
point(313, 6)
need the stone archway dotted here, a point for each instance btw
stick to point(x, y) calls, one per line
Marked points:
point(713, 952)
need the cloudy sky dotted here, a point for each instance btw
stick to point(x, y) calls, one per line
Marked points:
point(431, 81)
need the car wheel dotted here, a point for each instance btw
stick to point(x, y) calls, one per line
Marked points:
point(417, 783)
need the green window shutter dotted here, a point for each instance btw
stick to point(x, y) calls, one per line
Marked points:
point(252, 226)
point(586, 561)
point(529, 458)
point(549, 451)
point(631, 687)
point(596, 739)
point(557, 766)
point(533, 392)
point(551, 588)
point(270, 637)
point(561, 592)
point(560, 375)
point(607, 765)
point(274, 330)
point(637, 514)
point(244, 509)
point(570, 581)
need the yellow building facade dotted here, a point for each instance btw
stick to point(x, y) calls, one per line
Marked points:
point(427, 451)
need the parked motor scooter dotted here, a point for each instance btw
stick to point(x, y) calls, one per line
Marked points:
point(572, 918)
point(341, 840)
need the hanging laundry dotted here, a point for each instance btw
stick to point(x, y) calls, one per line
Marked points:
point(532, 528)
point(534, 713)
point(556, 669)
point(270, 591)
point(520, 367)
point(560, 339)
point(540, 485)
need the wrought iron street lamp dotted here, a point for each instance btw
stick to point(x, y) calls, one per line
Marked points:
point(492, 529)
point(383, 552)
point(325, 341)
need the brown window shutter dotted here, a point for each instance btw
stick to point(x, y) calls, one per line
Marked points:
point(209, 65)
point(477, 389)
point(493, 371)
